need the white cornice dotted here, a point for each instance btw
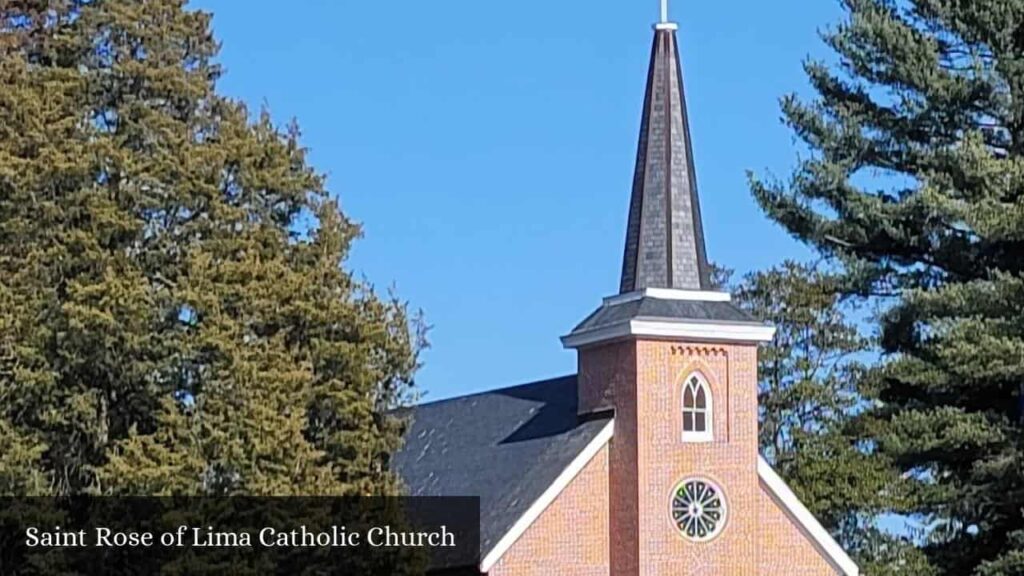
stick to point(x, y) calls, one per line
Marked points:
point(549, 496)
point(781, 493)
point(683, 330)
point(668, 294)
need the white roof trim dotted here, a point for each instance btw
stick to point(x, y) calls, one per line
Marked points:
point(687, 330)
point(782, 494)
point(669, 294)
point(549, 496)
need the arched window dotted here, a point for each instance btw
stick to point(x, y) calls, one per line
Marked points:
point(698, 410)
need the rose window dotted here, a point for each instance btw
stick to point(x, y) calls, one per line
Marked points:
point(698, 509)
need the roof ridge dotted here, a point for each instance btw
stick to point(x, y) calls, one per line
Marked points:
point(491, 391)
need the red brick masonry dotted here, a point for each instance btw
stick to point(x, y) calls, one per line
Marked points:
point(613, 519)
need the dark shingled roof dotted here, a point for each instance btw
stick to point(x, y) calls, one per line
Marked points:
point(506, 446)
point(648, 308)
point(664, 234)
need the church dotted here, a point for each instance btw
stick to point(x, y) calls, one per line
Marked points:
point(645, 462)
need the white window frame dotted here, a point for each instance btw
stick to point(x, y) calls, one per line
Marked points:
point(708, 433)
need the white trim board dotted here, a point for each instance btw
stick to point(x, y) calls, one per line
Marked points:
point(549, 496)
point(669, 294)
point(834, 553)
point(780, 492)
point(699, 331)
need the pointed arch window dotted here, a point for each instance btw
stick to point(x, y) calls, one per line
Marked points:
point(698, 410)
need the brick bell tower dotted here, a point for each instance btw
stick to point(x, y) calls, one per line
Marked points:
point(677, 363)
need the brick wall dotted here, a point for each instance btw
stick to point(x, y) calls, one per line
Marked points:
point(603, 369)
point(572, 534)
point(663, 459)
point(793, 553)
point(614, 519)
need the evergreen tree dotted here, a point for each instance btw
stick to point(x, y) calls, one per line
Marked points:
point(809, 371)
point(175, 317)
point(915, 184)
point(810, 390)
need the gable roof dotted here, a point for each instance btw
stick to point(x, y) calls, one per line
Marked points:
point(511, 447)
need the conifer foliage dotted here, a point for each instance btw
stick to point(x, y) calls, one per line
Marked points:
point(813, 378)
point(175, 317)
point(915, 183)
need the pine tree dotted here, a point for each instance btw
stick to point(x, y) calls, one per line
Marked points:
point(810, 369)
point(914, 185)
point(175, 317)
point(811, 378)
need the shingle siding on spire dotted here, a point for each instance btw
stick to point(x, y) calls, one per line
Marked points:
point(664, 236)
point(629, 259)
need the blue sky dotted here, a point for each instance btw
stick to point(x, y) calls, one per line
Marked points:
point(488, 147)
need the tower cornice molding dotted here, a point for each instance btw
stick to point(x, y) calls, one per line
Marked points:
point(687, 331)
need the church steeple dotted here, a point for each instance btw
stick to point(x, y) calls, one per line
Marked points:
point(665, 291)
point(665, 236)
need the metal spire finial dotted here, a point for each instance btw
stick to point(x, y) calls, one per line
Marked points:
point(665, 24)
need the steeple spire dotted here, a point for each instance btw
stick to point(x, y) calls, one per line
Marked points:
point(665, 236)
point(666, 290)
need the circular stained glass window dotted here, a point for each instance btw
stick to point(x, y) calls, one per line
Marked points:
point(698, 509)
